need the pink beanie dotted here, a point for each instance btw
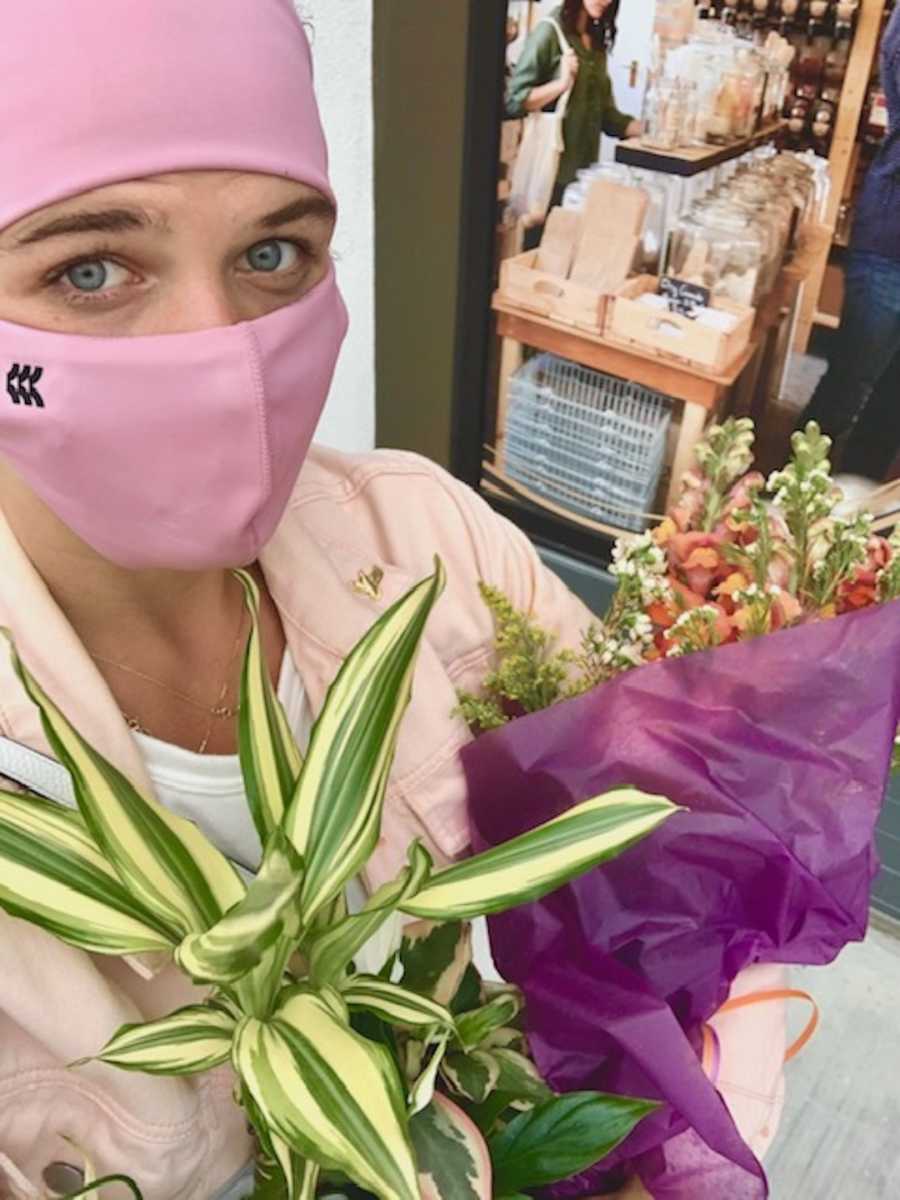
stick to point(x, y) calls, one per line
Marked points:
point(94, 92)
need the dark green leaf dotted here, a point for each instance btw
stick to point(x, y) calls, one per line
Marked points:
point(468, 994)
point(561, 1137)
point(488, 1113)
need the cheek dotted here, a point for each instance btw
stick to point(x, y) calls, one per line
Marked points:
point(19, 309)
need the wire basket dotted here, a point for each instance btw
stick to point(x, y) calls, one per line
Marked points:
point(592, 443)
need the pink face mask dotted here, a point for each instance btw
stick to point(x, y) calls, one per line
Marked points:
point(177, 450)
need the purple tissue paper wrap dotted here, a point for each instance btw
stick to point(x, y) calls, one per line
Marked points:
point(779, 750)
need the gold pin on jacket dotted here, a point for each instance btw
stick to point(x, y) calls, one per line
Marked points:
point(368, 583)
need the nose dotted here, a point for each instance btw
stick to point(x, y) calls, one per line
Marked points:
point(203, 303)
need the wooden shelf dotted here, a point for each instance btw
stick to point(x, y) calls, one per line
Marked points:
point(690, 161)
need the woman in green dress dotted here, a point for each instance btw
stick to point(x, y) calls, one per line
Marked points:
point(544, 73)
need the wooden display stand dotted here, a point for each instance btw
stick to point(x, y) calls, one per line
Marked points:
point(841, 159)
point(701, 393)
point(750, 383)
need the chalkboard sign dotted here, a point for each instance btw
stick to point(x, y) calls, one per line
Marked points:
point(683, 297)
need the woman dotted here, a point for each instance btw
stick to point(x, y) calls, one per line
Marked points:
point(169, 322)
point(544, 73)
point(859, 394)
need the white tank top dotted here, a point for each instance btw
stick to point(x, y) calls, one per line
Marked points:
point(208, 789)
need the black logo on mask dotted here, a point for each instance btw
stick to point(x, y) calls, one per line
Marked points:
point(21, 383)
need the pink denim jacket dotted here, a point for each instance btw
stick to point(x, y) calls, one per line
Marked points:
point(184, 1139)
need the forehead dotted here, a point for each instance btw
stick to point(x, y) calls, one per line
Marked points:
point(226, 195)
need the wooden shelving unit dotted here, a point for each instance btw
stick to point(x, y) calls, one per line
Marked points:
point(842, 160)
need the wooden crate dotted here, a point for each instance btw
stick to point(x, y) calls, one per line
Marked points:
point(673, 335)
point(522, 285)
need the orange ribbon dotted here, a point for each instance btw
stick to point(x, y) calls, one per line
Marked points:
point(711, 1054)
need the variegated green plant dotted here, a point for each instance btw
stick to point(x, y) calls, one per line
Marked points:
point(484, 1068)
point(337, 1070)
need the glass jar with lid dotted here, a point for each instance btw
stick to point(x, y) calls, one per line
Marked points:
point(765, 193)
point(726, 250)
point(665, 113)
point(714, 247)
point(653, 236)
point(752, 82)
point(769, 228)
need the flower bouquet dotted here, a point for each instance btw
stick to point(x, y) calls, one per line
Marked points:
point(410, 1079)
point(778, 746)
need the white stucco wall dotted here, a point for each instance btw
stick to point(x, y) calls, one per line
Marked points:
point(341, 36)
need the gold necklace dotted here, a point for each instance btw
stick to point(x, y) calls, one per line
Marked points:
point(220, 711)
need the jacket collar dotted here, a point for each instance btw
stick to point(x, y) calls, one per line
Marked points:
point(311, 580)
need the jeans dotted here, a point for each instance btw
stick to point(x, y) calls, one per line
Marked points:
point(861, 391)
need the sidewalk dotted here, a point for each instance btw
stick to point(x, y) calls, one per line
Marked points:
point(840, 1134)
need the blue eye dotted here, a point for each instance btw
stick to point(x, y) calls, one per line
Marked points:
point(276, 254)
point(89, 276)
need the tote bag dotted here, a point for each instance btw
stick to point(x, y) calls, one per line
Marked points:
point(536, 168)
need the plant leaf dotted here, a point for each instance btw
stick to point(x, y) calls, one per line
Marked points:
point(330, 1094)
point(331, 951)
point(519, 1077)
point(300, 1175)
point(335, 816)
point(473, 1075)
point(505, 1039)
point(270, 758)
point(52, 874)
point(422, 1091)
point(164, 860)
point(309, 1182)
point(475, 1027)
point(435, 958)
point(561, 1137)
point(543, 859)
point(451, 1154)
point(266, 918)
point(195, 1038)
point(96, 1184)
point(395, 1004)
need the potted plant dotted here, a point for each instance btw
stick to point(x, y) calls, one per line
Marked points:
point(444, 1099)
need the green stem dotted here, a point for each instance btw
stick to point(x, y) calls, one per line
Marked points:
point(99, 1183)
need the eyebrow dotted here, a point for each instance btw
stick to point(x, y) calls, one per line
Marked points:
point(125, 220)
point(316, 206)
point(110, 220)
